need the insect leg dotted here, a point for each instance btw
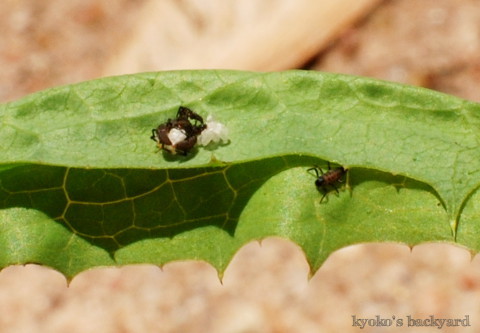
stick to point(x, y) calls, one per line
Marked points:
point(315, 168)
point(336, 189)
point(154, 135)
point(347, 183)
point(323, 196)
point(182, 113)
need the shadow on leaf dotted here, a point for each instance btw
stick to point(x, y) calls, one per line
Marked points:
point(112, 208)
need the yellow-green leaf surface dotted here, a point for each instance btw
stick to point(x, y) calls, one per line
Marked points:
point(82, 185)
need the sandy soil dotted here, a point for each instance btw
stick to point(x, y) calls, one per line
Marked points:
point(433, 43)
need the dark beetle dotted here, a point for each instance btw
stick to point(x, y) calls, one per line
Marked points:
point(187, 123)
point(328, 179)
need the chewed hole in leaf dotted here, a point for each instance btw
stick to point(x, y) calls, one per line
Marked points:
point(375, 206)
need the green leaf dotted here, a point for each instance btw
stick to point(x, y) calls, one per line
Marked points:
point(82, 185)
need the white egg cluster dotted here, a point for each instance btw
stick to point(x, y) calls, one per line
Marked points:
point(215, 132)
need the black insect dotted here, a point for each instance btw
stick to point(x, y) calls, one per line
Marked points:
point(328, 179)
point(187, 125)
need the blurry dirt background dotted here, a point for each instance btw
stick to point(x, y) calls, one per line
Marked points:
point(431, 43)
